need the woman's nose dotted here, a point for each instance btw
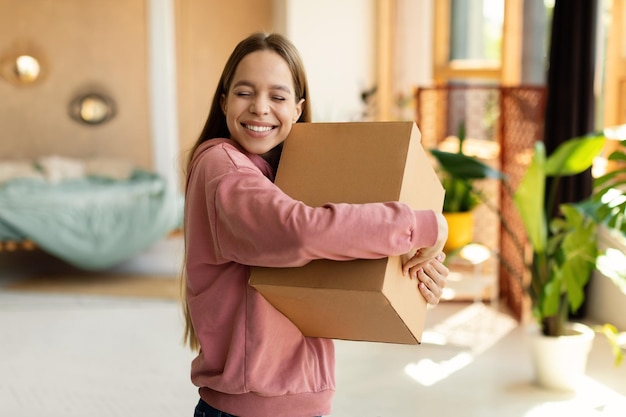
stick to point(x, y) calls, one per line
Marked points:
point(259, 106)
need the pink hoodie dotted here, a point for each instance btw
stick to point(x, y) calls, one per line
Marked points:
point(253, 361)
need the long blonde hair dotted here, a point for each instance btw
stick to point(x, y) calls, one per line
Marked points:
point(216, 127)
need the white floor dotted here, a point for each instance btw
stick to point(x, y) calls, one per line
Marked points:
point(66, 356)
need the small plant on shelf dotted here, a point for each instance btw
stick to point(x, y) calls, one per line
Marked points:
point(459, 173)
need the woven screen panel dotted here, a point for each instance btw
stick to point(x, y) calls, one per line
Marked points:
point(511, 118)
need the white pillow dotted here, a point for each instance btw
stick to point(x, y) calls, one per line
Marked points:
point(59, 168)
point(112, 168)
point(18, 169)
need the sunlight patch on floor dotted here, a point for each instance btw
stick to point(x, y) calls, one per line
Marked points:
point(590, 399)
point(474, 329)
point(428, 372)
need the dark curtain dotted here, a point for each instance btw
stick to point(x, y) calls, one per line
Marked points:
point(570, 100)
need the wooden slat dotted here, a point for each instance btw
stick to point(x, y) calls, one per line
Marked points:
point(15, 245)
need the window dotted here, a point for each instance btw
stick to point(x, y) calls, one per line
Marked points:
point(478, 40)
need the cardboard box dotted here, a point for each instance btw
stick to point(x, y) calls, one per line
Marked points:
point(368, 300)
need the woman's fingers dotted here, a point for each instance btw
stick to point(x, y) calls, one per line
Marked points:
point(418, 260)
point(421, 258)
point(432, 278)
point(426, 254)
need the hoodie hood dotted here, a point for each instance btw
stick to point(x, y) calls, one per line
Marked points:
point(257, 160)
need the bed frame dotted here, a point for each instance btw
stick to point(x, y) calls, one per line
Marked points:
point(15, 245)
point(29, 245)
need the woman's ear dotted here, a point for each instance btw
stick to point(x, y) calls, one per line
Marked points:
point(298, 110)
point(223, 103)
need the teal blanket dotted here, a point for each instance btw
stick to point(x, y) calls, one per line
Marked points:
point(92, 223)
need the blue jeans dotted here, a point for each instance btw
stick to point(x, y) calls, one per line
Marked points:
point(205, 410)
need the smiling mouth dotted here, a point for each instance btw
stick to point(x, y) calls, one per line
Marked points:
point(259, 129)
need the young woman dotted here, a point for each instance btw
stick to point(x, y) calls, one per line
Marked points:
point(252, 361)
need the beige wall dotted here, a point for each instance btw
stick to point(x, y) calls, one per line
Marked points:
point(86, 45)
point(207, 31)
point(103, 45)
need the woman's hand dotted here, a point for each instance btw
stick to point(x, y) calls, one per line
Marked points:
point(426, 254)
point(432, 277)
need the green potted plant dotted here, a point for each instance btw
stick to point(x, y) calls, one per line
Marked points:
point(458, 173)
point(609, 200)
point(564, 252)
point(608, 206)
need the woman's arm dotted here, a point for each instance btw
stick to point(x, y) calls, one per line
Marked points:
point(257, 224)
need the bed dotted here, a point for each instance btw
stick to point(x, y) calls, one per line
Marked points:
point(92, 214)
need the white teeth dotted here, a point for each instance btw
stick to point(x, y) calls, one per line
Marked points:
point(259, 128)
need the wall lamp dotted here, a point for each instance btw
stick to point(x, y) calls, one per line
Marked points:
point(21, 68)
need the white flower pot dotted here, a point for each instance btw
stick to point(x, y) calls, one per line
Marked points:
point(560, 362)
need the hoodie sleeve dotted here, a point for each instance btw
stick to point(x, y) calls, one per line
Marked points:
point(255, 223)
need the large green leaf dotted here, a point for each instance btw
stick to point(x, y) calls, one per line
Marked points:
point(529, 199)
point(613, 179)
point(618, 155)
point(579, 251)
point(463, 166)
point(571, 259)
point(574, 156)
point(460, 196)
point(609, 192)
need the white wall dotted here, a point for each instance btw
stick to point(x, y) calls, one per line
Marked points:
point(413, 50)
point(337, 40)
point(163, 93)
point(338, 45)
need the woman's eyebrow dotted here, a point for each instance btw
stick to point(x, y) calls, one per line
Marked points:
point(246, 83)
point(243, 83)
point(281, 87)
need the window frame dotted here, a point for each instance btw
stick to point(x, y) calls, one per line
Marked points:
point(506, 72)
